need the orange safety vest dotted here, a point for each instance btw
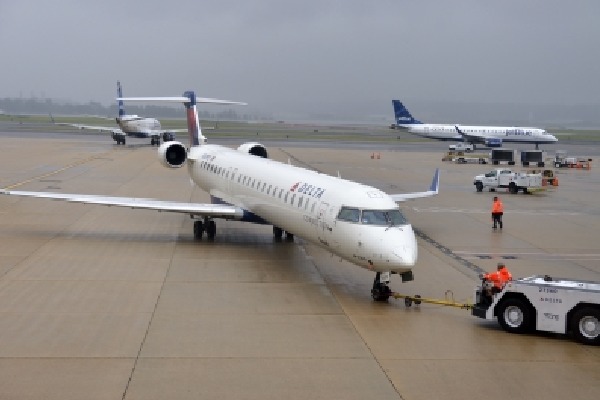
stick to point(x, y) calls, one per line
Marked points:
point(497, 207)
point(499, 278)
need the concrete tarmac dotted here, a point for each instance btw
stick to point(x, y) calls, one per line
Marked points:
point(110, 303)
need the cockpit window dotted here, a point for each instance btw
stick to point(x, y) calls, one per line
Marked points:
point(372, 217)
point(349, 214)
point(383, 217)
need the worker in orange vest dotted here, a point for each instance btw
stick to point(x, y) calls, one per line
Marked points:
point(498, 279)
point(497, 212)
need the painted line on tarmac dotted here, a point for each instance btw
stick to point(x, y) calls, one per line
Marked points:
point(43, 176)
point(529, 256)
point(462, 260)
point(480, 211)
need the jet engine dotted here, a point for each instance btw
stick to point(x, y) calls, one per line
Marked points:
point(172, 154)
point(255, 149)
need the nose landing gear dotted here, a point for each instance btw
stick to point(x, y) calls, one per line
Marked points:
point(381, 291)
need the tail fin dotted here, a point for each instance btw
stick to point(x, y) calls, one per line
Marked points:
point(189, 100)
point(120, 102)
point(193, 123)
point(403, 116)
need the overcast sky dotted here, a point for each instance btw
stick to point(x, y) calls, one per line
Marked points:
point(295, 57)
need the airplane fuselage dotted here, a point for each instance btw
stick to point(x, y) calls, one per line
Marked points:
point(138, 126)
point(307, 204)
point(506, 134)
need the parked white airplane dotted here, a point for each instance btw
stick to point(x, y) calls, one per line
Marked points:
point(492, 136)
point(359, 223)
point(132, 125)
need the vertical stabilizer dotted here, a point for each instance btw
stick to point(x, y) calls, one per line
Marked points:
point(193, 123)
point(120, 102)
point(403, 116)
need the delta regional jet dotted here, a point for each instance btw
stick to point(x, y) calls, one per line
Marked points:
point(359, 223)
point(132, 125)
point(491, 136)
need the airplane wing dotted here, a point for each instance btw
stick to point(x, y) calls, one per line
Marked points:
point(433, 190)
point(197, 209)
point(91, 127)
point(470, 137)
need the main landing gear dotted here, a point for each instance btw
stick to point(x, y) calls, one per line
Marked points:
point(208, 225)
point(381, 291)
point(278, 234)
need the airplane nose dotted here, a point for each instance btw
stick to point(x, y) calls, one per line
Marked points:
point(406, 255)
point(405, 247)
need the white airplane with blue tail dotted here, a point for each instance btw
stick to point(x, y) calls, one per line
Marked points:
point(491, 136)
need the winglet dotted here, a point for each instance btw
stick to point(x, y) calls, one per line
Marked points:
point(458, 130)
point(435, 183)
point(433, 190)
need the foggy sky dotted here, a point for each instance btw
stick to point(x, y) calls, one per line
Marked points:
point(293, 58)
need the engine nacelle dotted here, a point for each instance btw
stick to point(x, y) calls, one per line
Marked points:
point(254, 148)
point(172, 154)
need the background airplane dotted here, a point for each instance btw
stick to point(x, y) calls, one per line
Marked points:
point(359, 223)
point(132, 125)
point(491, 136)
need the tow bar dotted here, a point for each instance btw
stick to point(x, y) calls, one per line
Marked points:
point(447, 301)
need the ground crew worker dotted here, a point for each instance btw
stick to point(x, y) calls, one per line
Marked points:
point(497, 212)
point(498, 279)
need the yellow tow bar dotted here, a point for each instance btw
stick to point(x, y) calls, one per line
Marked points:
point(447, 301)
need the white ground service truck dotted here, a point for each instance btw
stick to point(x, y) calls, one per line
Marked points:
point(466, 147)
point(506, 178)
point(544, 304)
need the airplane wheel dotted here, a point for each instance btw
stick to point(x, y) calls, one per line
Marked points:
point(211, 230)
point(198, 230)
point(277, 233)
point(289, 237)
point(380, 292)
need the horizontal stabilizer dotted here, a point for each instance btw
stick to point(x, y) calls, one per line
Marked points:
point(182, 99)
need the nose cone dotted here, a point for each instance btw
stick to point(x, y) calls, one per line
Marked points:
point(403, 246)
point(406, 254)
